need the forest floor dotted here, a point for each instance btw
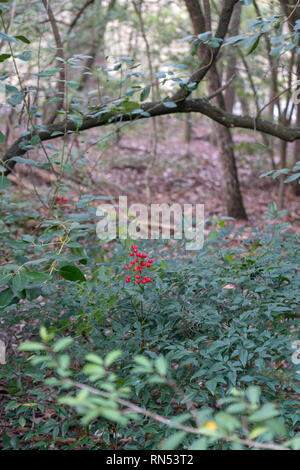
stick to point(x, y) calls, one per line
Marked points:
point(190, 173)
point(181, 172)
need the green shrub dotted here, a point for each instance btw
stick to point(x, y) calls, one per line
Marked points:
point(209, 340)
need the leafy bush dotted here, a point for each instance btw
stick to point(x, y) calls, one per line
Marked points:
point(199, 357)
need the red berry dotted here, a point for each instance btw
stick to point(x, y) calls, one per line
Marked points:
point(144, 263)
point(144, 281)
point(136, 260)
point(126, 267)
point(145, 256)
point(127, 280)
point(131, 254)
point(138, 276)
point(138, 281)
point(149, 265)
point(150, 260)
point(135, 250)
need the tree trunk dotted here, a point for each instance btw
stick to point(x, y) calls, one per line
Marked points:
point(231, 189)
point(292, 11)
point(231, 68)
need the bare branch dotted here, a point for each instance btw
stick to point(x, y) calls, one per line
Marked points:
point(222, 88)
point(80, 12)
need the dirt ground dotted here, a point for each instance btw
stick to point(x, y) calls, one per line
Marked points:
point(180, 172)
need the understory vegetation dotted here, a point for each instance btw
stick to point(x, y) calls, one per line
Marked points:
point(135, 343)
point(201, 356)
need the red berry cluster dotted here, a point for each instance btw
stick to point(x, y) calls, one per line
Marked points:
point(62, 201)
point(138, 264)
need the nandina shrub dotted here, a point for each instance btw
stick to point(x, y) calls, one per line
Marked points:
point(223, 317)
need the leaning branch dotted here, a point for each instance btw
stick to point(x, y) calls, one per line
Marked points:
point(156, 108)
point(210, 55)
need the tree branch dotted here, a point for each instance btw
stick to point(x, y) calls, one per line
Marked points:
point(210, 55)
point(80, 12)
point(156, 108)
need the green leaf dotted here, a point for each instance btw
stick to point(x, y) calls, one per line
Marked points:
point(22, 421)
point(19, 281)
point(25, 56)
point(267, 411)
point(72, 273)
point(94, 370)
point(23, 39)
point(4, 279)
point(73, 85)
point(227, 421)
point(7, 38)
point(253, 394)
point(111, 357)
point(4, 182)
point(173, 441)
point(4, 57)
point(257, 431)
point(48, 73)
point(26, 161)
point(169, 104)
point(15, 99)
point(161, 365)
point(211, 385)
point(143, 361)
point(199, 444)
point(77, 119)
point(254, 43)
point(292, 178)
point(24, 278)
point(31, 346)
point(62, 344)
point(145, 93)
point(94, 358)
point(6, 297)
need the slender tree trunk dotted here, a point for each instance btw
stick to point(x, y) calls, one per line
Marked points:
point(97, 44)
point(296, 157)
point(231, 189)
point(282, 185)
point(231, 68)
point(292, 12)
